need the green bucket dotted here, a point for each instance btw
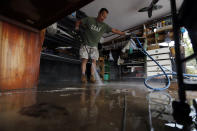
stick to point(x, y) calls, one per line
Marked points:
point(106, 77)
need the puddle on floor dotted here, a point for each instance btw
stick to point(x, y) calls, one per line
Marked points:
point(88, 108)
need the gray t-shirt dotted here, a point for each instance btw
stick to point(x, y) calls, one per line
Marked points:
point(94, 30)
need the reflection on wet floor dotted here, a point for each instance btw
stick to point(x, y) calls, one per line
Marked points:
point(113, 107)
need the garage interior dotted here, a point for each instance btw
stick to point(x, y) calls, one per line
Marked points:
point(144, 81)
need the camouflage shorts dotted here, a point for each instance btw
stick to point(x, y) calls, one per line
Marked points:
point(89, 52)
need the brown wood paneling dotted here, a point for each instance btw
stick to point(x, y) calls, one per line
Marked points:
point(19, 57)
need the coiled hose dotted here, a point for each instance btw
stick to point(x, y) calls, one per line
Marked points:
point(162, 68)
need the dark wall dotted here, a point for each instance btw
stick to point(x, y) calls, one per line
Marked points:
point(55, 71)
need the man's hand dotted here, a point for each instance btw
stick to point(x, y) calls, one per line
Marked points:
point(76, 28)
point(115, 31)
point(126, 33)
point(77, 24)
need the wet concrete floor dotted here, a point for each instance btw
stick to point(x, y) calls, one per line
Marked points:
point(115, 106)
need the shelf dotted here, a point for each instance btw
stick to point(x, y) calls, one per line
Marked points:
point(148, 35)
point(169, 27)
point(138, 37)
point(135, 77)
point(136, 62)
point(134, 66)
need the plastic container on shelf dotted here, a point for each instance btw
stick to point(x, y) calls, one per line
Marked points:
point(106, 77)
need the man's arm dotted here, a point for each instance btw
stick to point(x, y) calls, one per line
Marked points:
point(115, 31)
point(77, 24)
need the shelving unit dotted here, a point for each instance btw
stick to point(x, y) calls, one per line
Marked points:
point(134, 66)
point(107, 70)
point(60, 39)
point(150, 35)
point(162, 56)
point(156, 33)
point(101, 65)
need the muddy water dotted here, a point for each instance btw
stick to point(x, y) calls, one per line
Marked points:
point(88, 108)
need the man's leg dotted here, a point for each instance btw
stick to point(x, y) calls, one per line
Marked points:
point(83, 66)
point(83, 70)
point(94, 56)
point(93, 69)
point(84, 59)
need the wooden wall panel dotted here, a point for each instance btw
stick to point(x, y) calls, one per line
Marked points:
point(19, 57)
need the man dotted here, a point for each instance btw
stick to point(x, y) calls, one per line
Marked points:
point(94, 29)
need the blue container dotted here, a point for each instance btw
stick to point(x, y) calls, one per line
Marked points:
point(106, 77)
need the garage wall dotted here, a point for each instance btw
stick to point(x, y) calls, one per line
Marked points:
point(57, 72)
point(19, 57)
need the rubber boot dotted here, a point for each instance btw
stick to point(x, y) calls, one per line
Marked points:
point(92, 79)
point(83, 79)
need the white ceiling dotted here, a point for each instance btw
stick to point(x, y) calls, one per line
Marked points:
point(123, 14)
